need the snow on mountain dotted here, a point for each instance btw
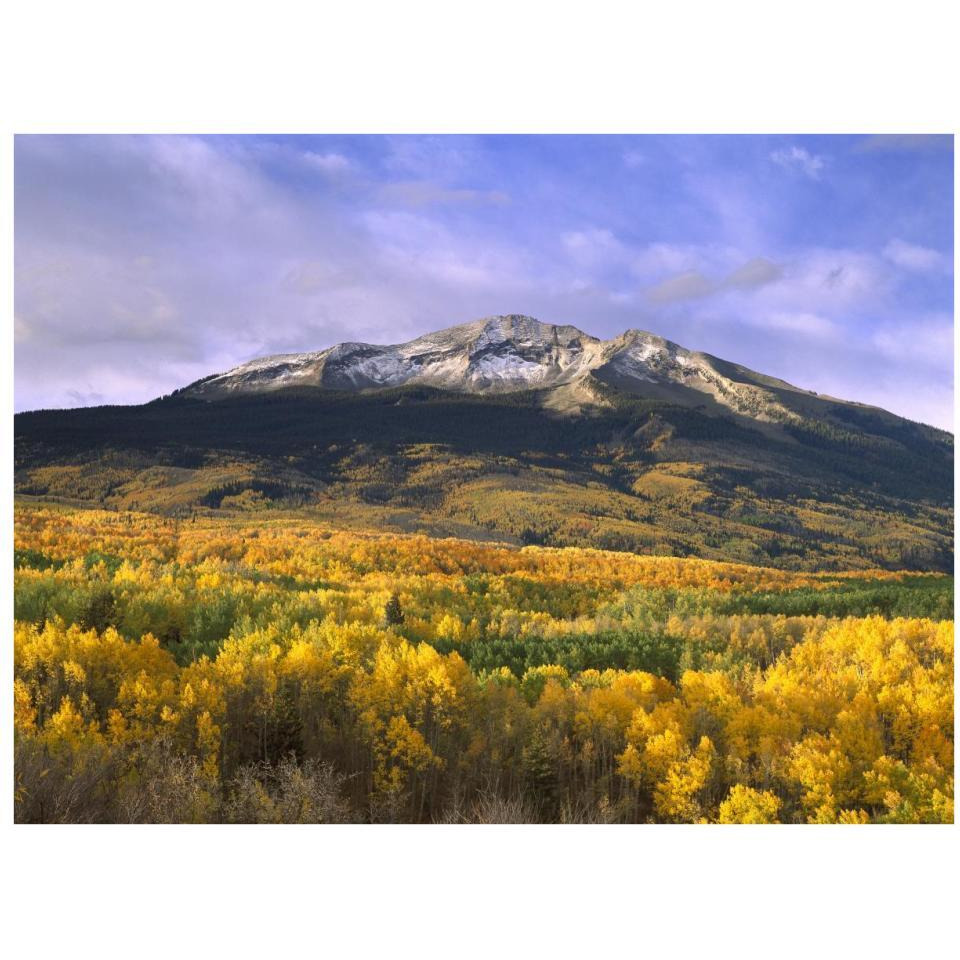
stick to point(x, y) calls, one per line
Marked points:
point(510, 353)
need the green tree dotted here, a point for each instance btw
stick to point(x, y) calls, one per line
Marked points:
point(393, 612)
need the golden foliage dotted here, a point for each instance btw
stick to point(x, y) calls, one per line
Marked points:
point(774, 719)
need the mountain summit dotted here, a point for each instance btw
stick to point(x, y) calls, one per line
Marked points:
point(514, 352)
point(496, 353)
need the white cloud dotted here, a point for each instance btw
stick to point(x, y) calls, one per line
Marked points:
point(656, 259)
point(929, 341)
point(912, 257)
point(595, 248)
point(309, 277)
point(824, 281)
point(423, 249)
point(808, 324)
point(602, 250)
point(797, 159)
point(193, 176)
point(326, 162)
point(668, 271)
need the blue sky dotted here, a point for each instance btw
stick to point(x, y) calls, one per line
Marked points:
point(143, 263)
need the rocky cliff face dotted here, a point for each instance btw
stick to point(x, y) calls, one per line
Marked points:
point(510, 353)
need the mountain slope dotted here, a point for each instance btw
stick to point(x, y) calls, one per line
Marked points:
point(507, 428)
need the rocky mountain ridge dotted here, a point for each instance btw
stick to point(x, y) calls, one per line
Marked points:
point(515, 352)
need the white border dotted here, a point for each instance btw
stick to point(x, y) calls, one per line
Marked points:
point(447, 67)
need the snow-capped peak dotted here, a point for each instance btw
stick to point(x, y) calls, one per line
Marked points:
point(501, 354)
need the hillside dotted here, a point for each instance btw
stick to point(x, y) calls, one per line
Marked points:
point(509, 429)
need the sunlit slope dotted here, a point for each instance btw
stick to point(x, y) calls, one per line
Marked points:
point(634, 473)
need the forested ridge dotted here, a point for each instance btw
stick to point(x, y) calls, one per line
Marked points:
point(274, 668)
point(838, 487)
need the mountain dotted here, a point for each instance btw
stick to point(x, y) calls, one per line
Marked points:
point(494, 354)
point(508, 428)
point(511, 353)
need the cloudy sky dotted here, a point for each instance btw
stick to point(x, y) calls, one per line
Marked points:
point(144, 263)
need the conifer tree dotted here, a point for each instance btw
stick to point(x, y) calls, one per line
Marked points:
point(393, 612)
